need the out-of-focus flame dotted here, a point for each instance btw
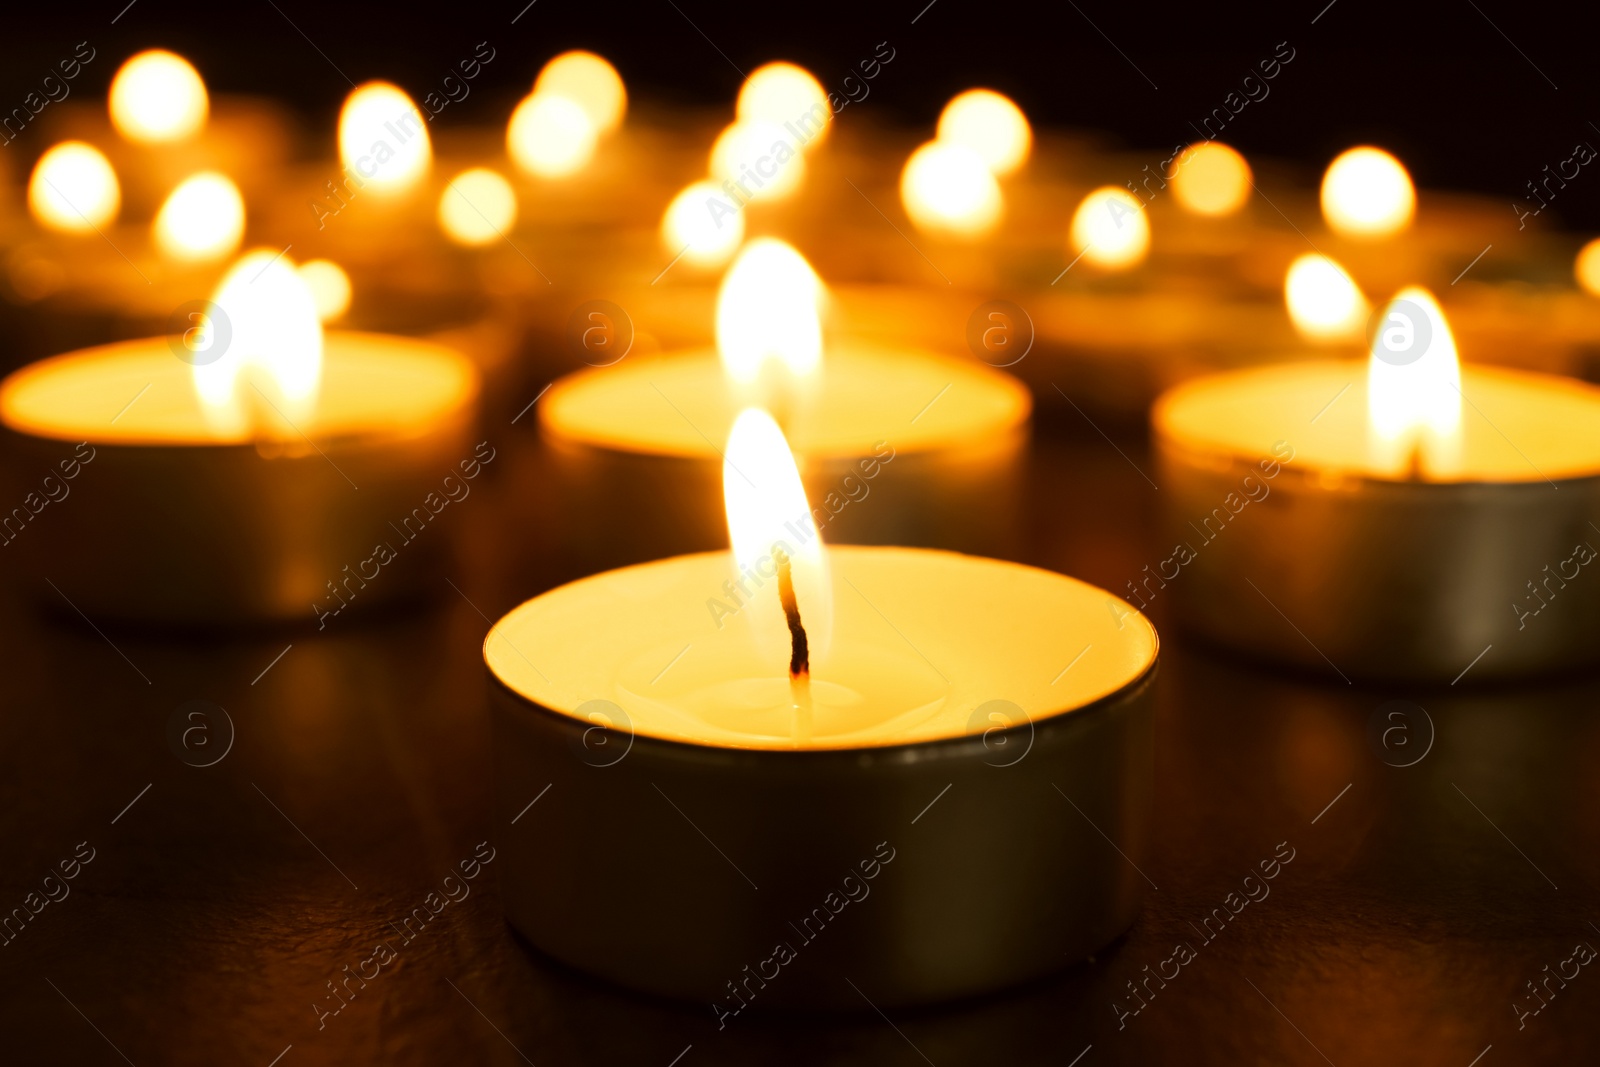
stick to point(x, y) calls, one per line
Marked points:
point(74, 189)
point(767, 507)
point(948, 188)
point(704, 224)
point(157, 97)
point(329, 285)
point(264, 381)
point(1586, 268)
point(588, 81)
point(1212, 179)
point(786, 95)
point(989, 124)
point(383, 138)
point(477, 207)
point(767, 313)
point(551, 136)
point(760, 158)
point(202, 219)
point(1367, 193)
point(1110, 229)
point(1414, 388)
point(1325, 303)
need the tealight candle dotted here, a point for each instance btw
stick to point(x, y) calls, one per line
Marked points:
point(853, 744)
point(249, 470)
point(896, 444)
point(1406, 519)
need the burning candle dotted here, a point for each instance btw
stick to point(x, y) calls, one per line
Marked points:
point(383, 140)
point(74, 189)
point(246, 469)
point(1367, 193)
point(1403, 519)
point(577, 99)
point(157, 97)
point(804, 708)
point(1110, 230)
point(202, 220)
point(1212, 179)
point(1324, 302)
point(938, 439)
point(949, 186)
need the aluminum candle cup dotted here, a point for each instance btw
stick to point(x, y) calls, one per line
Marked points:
point(1287, 545)
point(164, 520)
point(978, 725)
point(895, 445)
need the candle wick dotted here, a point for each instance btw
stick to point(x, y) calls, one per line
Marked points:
point(800, 651)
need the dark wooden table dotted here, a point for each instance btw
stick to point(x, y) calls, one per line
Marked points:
point(220, 901)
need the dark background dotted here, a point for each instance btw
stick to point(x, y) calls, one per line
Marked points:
point(1467, 103)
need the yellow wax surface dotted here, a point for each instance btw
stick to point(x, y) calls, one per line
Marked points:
point(921, 640)
point(1515, 426)
point(684, 405)
point(372, 384)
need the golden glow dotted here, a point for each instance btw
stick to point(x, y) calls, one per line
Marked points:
point(760, 158)
point(588, 81)
point(74, 189)
point(766, 504)
point(383, 138)
point(783, 93)
point(703, 224)
point(1324, 302)
point(1367, 193)
point(265, 381)
point(1587, 267)
point(477, 207)
point(1110, 229)
point(989, 124)
point(329, 285)
point(550, 136)
point(157, 97)
point(1212, 179)
point(202, 219)
point(948, 188)
point(767, 310)
point(1414, 409)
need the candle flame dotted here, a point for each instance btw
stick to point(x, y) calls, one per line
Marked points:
point(767, 509)
point(1212, 179)
point(551, 136)
point(383, 138)
point(1367, 193)
point(779, 93)
point(477, 207)
point(1110, 229)
point(759, 159)
point(1586, 267)
point(588, 81)
point(202, 219)
point(329, 285)
point(1414, 388)
point(1324, 302)
point(948, 188)
point(703, 225)
point(264, 381)
point(767, 312)
point(74, 189)
point(158, 97)
point(991, 125)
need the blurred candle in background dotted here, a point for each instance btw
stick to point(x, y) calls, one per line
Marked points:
point(157, 97)
point(74, 189)
point(1212, 179)
point(989, 124)
point(477, 207)
point(1367, 193)
point(202, 219)
point(1324, 302)
point(383, 139)
point(1110, 229)
point(948, 189)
